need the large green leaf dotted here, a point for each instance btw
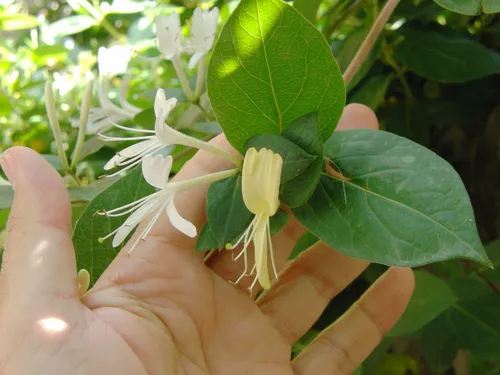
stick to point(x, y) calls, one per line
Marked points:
point(445, 58)
point(474, 324)
point(431, 297)
point(295, 159)
point(90, 253)
point(271, 66)
point(398, 203)
point(438, 347)
point(69, 26)
point(470, 7)
point(305, 133)
point(227, 215)
point(308, 8)
point(306, 242)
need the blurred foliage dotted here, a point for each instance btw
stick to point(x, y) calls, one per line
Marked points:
point(431, 77)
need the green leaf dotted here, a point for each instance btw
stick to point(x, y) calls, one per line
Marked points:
point(227, 215)
point(50, 54)
point(5, 104)
point(431, 297)
point(271, 66)
point(305, 133)
point(474, 325)
point(6, 196)
point(295, 159)
point(89, 192)
point(493, 251)
point(445, 58)
point(90, 253)
point(308, 8)
point(470, 7)
point(69, 26)
point(206, 240)
point(344, 51)
point(491, 6)
point(306, 241)
point(278, 221)
point(372, 92)
point(10, 22)
point(398, 203)
point(438, 347)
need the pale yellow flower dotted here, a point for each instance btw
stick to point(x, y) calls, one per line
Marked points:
point(260, 184)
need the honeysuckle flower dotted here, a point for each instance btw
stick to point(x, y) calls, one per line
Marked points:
point(113, 60)
point(108, 113)
point(260, 185)
point(156, 171)
point(168, 35)
point(203, 32)
point(152, 141)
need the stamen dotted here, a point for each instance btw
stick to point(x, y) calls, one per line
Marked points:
point(116, 125)
point(149, 226)
point(271, 250)
point(146, 151)
point(107, 138)
point(124, 169)
point(135, 203)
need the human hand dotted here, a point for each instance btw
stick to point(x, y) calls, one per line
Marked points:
point(161, 310)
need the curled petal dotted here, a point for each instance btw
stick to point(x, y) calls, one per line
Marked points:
point(130, 152)
point(178, 222)
point(134, 220)
point(195, 59)
point(156, 170)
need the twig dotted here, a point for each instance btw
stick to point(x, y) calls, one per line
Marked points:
point(370, 40)
point(342, 19)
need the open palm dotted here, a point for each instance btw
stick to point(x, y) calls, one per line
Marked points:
point(162, 310)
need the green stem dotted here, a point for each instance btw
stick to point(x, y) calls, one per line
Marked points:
point(202, 180)
point(100, 17)
point(354, 6)
point(82, 130)
point(176, 61)
point(54, 124)
point(400, 72)
point(370, 40)
point(200, 78)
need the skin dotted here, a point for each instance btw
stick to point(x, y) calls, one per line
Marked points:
point(162, 310)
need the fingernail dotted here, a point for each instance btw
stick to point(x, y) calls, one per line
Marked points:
point(6, 162)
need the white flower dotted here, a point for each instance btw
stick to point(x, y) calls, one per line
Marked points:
point(113, 60)
point(260, 186)
point(156, 170)
point(203, 32)
point(152, 141)
point(109, 113)
point(168, 35)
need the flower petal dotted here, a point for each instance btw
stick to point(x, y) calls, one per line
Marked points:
point(130, 152)
point(260, 246)
point(133, 220)
point(195, 59)
point(178, 222)
point(156, 170)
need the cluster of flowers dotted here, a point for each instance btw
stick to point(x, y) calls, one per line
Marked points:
point(261, 170)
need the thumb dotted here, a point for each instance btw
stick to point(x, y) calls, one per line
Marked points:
point(39, 261)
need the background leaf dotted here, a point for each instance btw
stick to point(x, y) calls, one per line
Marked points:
point(439, 348)
point(431, 297)
point(90, 254)
point(305, 133)
point(206, 240)
point(393, 204)
point(69, 26)
point(308, 8)
point(254, 91)
point(295, 159)
point(227, 215)
point(446, 58)
point(306, 242)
